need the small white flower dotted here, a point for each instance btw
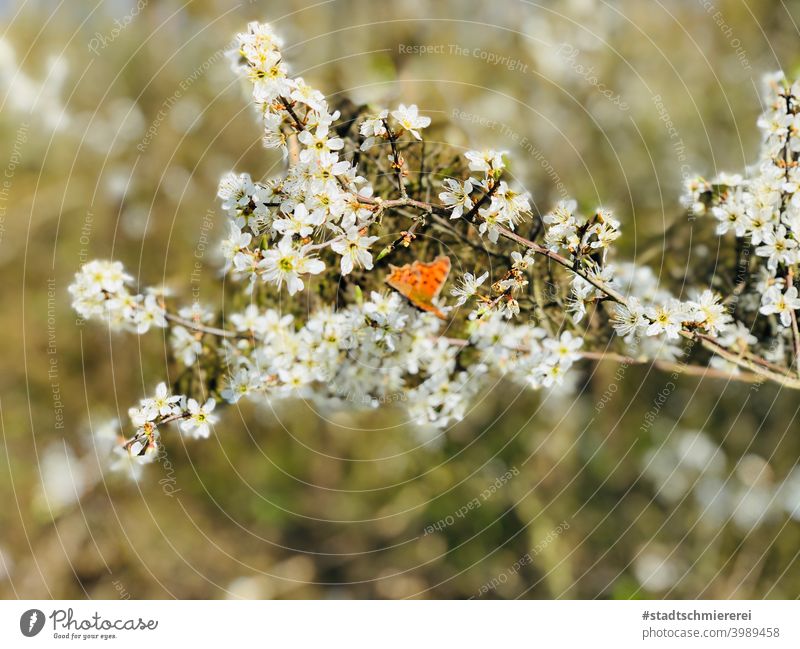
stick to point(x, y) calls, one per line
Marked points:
point(185, 345)
point(269, 79)
point(777, 248)
point(106, 276)
point(285, 263)
point(521, 262)
point(563, 214)
point(410, 120)
point(309, 96)
point(457, 196)
point(274, 135)
point(149, 314)
point(509, 308)
point(782, 304)
point(163, 402)
point(485, 160)
point(200, 419)
point(510, 205)
point(247, 264)
point(145, 414)
point(235, 242)
point(354, 249)
point(468, 287)
point(562, 235)
point(565, 349)
point(300, 222)
point(738, 338)
point(130, 461)
point(710, 314)
point(605, 234)
point(258, 42)
point(629, 319)
point(666, 318)
point(318, 142)
point(373, 128)
point(242, 383)
point(235, 191)
point(490, 224)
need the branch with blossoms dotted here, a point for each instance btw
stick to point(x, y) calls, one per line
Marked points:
point(357, 181)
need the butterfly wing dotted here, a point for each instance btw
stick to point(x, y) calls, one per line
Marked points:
point(433, 275)
point(421, 283)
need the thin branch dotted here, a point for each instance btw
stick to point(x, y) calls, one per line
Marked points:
point(742, 361)
point(196, 326)
point(405, 239)
point(671, 366)
point(293, 147)
point(396, 165)
point(752, 357)
point(298, 124)
point(566, 263)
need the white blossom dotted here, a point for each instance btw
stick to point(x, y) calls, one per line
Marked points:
point(409, 119)
point(486, 160)
point(354, 248)
point(200, 418)
point(666, 319)
point(456, 196)
point(469, 285)
point(286, 263)
point(781, 303)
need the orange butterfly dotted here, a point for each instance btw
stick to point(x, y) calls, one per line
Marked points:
point(421, 283)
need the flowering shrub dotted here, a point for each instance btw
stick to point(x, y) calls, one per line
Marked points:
point(357, 194)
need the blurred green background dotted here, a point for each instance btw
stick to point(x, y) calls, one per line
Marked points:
point(286, 502)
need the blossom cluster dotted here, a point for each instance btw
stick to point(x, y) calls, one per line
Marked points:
point(524, 353)
point(648, 317)
point(762, 207)
point(100, 291)
point(506, 206)
point(194, 419)
point(503, 299)
point(380, 347)
point(321, 197)
point(649, 311)
point(322, 216)
point(578, 235)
